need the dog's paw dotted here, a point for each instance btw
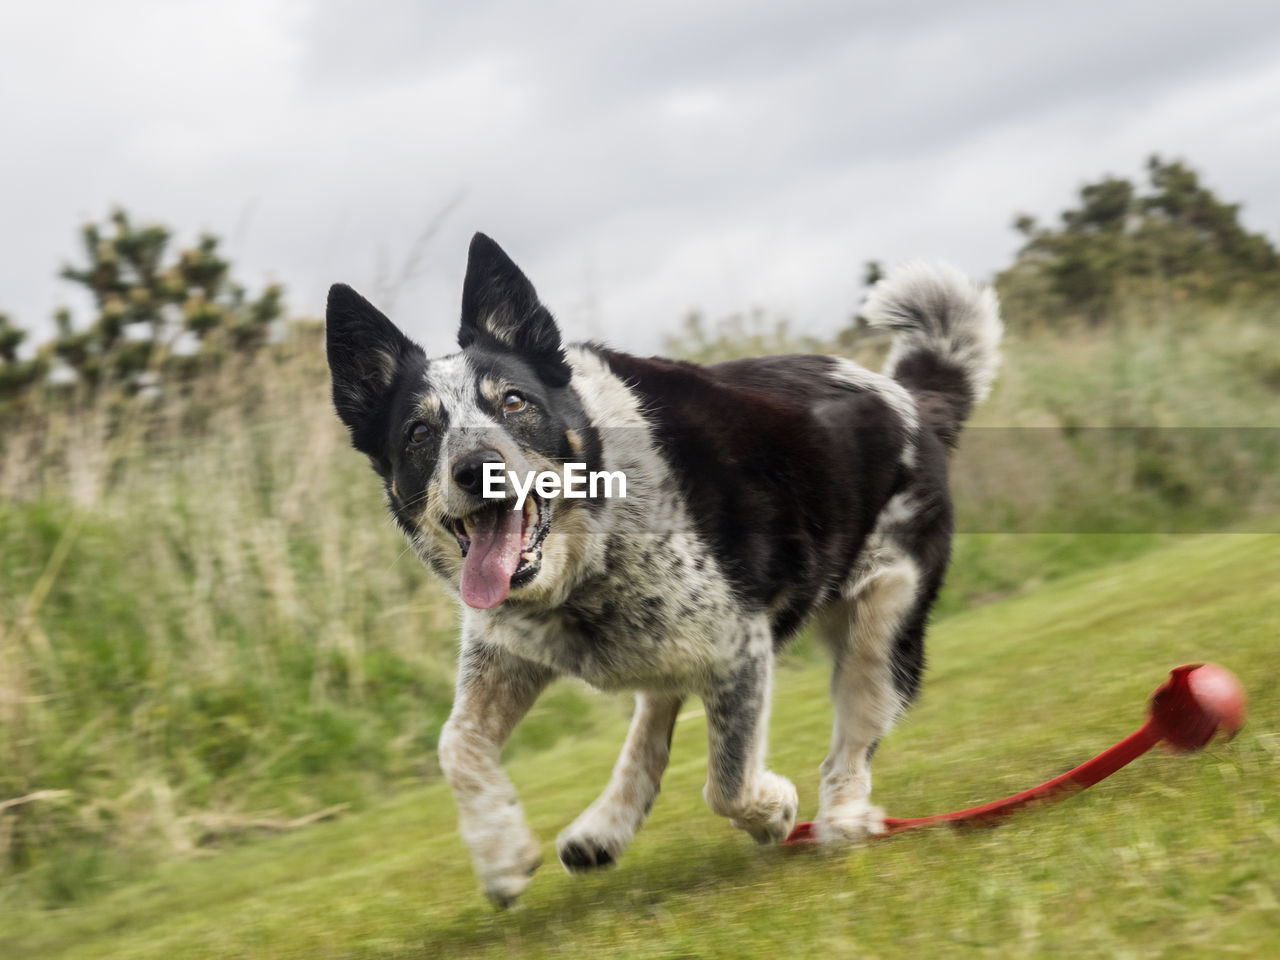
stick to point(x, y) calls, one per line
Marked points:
point(769, 812)
point(849, 823)
point(591, 842)
point(578, 856)
point(503, 883)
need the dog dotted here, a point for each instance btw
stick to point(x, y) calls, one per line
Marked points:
point(761, 495)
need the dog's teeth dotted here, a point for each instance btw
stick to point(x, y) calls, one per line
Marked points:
point(527, 555)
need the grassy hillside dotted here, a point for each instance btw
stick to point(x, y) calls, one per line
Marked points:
point(209, 628)
point(1174, 856)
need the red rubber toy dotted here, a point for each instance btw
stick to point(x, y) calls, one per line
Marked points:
point(1186, 712)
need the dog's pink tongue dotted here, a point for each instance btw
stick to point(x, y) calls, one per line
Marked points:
point(492, 557)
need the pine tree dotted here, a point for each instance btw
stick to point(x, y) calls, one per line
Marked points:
point(144, 300)
point(1176, 238)
point(16, 375)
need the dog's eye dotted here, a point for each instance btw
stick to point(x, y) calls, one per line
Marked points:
point(419, 432)
point(512, 403)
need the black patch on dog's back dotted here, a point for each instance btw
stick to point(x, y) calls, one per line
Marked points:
point(784, 468)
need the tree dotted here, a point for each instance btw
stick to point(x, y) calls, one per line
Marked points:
point(1191, 236)
point(16, 374)
point(144, 301)
point(1176, 238)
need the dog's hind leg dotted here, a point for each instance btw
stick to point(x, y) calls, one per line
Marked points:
point(605, 829)
point(739, 786)
point(495, 689)
point(876, 637)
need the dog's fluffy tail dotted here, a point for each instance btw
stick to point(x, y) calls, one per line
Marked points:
point(948, 344)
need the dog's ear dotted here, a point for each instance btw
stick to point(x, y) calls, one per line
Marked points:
point(367, 354)
point(501, 309)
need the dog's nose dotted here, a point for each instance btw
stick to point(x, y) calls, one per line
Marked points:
point(468, 469)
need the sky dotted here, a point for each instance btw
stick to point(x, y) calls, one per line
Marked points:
point(638, 160)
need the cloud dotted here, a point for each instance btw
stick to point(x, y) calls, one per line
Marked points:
point(638, 160)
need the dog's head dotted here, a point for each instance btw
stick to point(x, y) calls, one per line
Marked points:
point(438, 431)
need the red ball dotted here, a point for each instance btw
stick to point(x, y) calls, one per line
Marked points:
point(1197, 701)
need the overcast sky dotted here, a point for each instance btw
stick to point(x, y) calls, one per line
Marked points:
point(637, 160)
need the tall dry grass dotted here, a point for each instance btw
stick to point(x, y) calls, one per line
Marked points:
point(206, 620)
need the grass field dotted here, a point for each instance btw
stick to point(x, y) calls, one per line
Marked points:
point(1172, 857)
point(210, 631)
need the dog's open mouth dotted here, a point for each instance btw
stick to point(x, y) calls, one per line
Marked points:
point(501, 548)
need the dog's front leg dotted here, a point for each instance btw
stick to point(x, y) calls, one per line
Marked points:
point(739, 786)
point(495, 689)
point(605, 829)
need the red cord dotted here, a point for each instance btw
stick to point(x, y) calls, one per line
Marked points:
point(1085, 775)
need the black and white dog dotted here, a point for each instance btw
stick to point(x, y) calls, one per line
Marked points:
point(760, 495)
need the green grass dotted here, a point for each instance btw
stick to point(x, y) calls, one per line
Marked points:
point(1172, 857)
point(207, 619)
